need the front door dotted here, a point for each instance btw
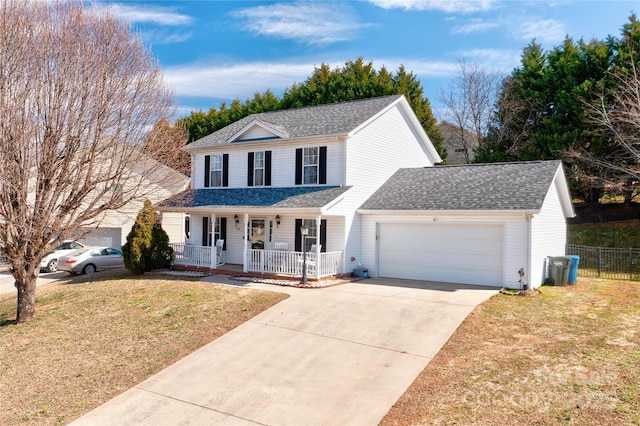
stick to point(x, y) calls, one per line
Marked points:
point(257, 233)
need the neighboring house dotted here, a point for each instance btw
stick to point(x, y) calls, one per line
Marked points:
point(460, 144)
point(256, 182)
point(115, 225)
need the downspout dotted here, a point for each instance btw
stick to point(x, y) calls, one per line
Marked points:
point(527, 277)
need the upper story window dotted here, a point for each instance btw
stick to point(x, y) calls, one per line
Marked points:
point(216, 170)
point(259, 168)
point(311, 165)
point(215, 178)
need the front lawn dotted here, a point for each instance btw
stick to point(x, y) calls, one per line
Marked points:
point(570, 355)
point(93, 338)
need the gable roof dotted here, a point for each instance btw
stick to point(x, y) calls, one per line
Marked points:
point(300, 197)
point(495, 186)
point(330, 119)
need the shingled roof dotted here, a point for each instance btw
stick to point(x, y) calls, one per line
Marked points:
point(290, 197)
point(330, 119)
point(497, 186)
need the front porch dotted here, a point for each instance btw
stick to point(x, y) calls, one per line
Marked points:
point(273, 262)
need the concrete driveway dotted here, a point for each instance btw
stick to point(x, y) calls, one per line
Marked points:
point(339, 355)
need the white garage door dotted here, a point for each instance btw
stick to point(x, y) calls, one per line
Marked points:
point(466, 254)
point(110, 237)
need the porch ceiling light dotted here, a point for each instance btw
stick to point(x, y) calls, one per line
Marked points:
point(236, 219)
point(278, 220)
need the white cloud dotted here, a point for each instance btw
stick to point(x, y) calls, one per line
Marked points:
point(145, 14)
point(160, 36)
point(310, 23)
point(543, 30)
point(456, 6)
point(230, 81)
point(474, 26)
point(242, 80)
point(500, 60)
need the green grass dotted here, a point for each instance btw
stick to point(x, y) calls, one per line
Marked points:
point(624, 234)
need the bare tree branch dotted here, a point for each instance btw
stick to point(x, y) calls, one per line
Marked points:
point(78, 94)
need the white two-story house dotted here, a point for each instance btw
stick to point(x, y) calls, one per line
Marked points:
point(261, 180)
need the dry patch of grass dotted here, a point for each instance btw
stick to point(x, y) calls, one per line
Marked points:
point(95, 338)
point(570, 355)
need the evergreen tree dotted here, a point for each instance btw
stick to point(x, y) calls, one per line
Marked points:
point(147, 247)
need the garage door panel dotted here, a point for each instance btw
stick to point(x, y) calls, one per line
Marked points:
point(449, 253)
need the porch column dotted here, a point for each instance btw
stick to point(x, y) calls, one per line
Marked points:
point(246, 238)
point(318, 248)
point(214, 253)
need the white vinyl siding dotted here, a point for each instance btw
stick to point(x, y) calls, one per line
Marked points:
point(173, 225)
point(256, 132)
point(549, 235)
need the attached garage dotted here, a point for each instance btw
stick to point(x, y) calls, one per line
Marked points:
point(481, 224)
point(459, 253)
point(110, 237)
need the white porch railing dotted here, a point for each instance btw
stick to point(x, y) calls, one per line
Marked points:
point(265, 261)
point(291, 263)
point(192, 255)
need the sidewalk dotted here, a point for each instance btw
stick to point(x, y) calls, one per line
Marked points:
point(338, 355)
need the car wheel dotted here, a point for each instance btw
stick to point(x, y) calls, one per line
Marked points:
point(52, 266)
point(89, 269)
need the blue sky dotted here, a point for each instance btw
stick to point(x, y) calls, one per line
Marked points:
point(215, 51)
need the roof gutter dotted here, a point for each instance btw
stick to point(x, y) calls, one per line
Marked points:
point(448, 212)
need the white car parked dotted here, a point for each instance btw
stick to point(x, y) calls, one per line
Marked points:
point(50, 262)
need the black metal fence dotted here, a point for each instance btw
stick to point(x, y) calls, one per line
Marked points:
point(605, 262)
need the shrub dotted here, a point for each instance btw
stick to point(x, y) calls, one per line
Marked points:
point(147, 247)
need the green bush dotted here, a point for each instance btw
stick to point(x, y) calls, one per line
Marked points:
point(147, 247)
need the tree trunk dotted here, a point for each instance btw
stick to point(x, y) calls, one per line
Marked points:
point(26, 285)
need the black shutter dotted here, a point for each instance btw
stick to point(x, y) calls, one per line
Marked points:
point(250, 169)
point(299, 166)
point(205, 231)
point(225, 170)
point(298, 235)
point(223, 231)
point(267, 168)
point(323, 235)
point(322, 166)
point(207, 170)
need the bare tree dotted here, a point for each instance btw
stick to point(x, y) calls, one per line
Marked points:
point(469, 102)
point(165, 143)
point(78, 94)
point(617, 111)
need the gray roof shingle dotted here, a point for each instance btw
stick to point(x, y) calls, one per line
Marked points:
point(330, 119)
point(266, 197)
point(497, 186)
